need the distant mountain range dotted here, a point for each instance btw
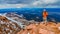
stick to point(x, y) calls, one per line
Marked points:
point(35, 13)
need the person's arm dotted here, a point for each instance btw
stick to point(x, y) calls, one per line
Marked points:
point(43, 13)
point(47, 13)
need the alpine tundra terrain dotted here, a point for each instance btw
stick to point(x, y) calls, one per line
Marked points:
point(11, 23)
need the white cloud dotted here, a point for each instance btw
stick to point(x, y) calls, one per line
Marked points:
point(51, 6)
point(45, 3)
point(49, 1)
point(12, 5)
point(39, 3)
point(36, 3)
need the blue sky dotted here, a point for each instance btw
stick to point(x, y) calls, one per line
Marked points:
point(29, 3)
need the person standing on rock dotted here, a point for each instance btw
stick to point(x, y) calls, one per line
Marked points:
point(45, 14)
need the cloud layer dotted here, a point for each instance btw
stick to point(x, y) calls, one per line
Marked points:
point(29, 3)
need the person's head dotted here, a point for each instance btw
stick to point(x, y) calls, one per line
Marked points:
point(44, 10)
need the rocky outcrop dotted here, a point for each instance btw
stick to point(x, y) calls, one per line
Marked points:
point(8, 27)
point(42, 28)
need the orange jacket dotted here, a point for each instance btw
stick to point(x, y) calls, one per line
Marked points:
point(45, 14)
